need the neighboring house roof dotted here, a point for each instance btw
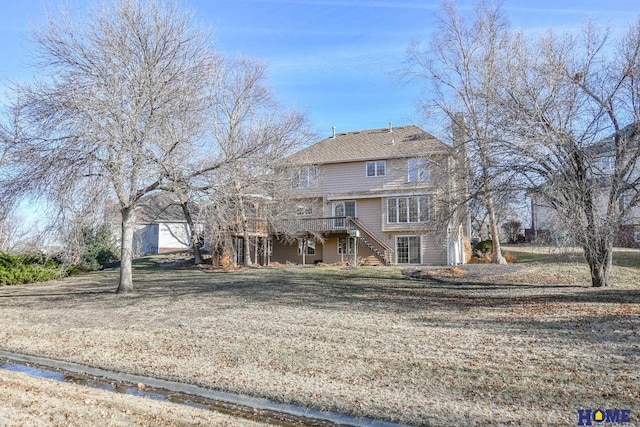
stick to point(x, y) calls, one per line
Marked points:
point(607, 147)
point(401, 141)
point(160, 207)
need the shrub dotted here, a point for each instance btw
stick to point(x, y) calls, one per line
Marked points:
point(485, 246)
point(509, 257)
point(99, 248)
point(468, 250)
point(18, 269)
point(481, 258)
point(73, 271)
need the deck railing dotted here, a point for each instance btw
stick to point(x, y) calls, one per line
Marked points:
point(313, 225)
point(326, 225)
point(251, 226)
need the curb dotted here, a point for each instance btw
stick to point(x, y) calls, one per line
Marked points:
point(221, 396)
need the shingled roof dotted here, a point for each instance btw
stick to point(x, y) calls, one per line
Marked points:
point(161, 207)
point(402, 141)
point(607, 145)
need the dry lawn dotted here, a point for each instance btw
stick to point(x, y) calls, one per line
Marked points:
point(30, 401)
point(521, 346)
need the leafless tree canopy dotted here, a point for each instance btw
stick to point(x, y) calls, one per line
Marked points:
point(127, 103)
point(461, 66)
point(570, 106)
point(545, 109)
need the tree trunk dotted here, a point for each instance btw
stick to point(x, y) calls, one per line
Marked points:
point(600, 260)
point(195, 237)
point(247, 246)
point(495, 236)
point(126, 250)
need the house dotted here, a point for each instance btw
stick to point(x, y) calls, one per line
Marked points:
point(161, 226)
point(380, 194)
point(546, 224)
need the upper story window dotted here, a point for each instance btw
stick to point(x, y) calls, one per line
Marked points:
point(418, 169)
point(304, 210)
point(378, 168)
point(607, 163)
point(306, 177)
point(410, 209)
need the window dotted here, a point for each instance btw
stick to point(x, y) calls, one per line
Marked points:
point(308, 244)
point(410, 209)
point(306, 177)
point(408, 249)
point(345, 245)
point(418, 169)
point(304, 210)
point(343, 209)
point(378, 168)
point(607, 163)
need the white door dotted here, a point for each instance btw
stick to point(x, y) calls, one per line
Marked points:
point(343, 209)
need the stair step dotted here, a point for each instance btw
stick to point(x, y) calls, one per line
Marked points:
point(372, 261)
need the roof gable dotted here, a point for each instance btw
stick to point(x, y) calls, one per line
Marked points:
point(160, 207)
point(402, 141)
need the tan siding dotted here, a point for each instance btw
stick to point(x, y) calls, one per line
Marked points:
point(370, 215)
point(330, 251)
point(288, 252)
point(434, 249)
point(336, 178)
point(316, 206)
point(331, 254)
point(284, 252)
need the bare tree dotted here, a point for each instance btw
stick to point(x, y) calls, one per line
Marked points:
point(461, 65)
point(119, 107)
point(13, 234)
point(573, 108)
point(248, 119)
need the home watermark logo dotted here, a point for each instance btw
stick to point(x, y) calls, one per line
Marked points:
point(590, 417)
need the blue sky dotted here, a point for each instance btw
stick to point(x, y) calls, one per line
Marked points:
point(332, 59)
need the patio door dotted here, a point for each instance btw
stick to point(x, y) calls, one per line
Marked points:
point(342, 209)
point(240, 250)
point(408, 250)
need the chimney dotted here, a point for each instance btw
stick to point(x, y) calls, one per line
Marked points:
point(390, 127)
point(459, 130)
point(334, 131)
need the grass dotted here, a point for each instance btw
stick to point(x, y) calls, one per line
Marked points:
point(550, 255)
point(525, 348)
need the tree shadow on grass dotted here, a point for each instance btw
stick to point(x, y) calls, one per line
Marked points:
point(323, 289)
point(337, 288)
point(64, 295)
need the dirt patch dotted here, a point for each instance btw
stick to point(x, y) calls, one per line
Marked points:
point(466, 273)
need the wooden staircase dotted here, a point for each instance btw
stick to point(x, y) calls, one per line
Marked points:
point(369, 241)
point(339, 225)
